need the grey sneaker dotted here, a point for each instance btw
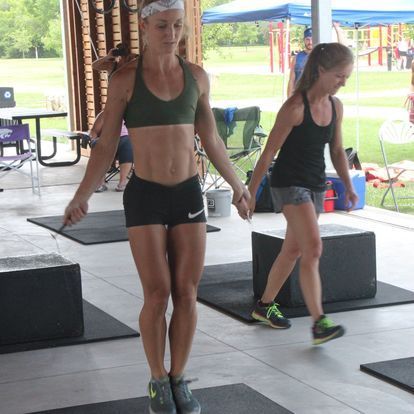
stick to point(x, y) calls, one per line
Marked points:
point(184, 400)
point(161, 398)
point(270, 315)
point(324, 329)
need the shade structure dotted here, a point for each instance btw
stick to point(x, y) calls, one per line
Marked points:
point(346, 12)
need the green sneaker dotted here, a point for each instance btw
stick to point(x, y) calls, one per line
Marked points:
point(270, 315)
point(161, 398)
point(324, 330)
point(185, 401)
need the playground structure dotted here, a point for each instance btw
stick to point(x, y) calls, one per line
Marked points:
point(377, 45)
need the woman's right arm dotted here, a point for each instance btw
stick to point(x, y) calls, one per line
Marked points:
point(102, 154)
point(289, 115)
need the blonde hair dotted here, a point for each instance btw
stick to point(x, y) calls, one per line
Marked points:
point(326, 56)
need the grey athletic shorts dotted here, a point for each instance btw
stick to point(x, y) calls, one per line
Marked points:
point(147, 202)
point(297, 195)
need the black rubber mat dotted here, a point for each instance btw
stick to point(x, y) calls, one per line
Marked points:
point(95, 228)
point(98, 326)
point(398, 372)
point(229, 289)
point(227, 399)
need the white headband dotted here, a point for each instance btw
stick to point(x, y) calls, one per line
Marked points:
point(160, 6)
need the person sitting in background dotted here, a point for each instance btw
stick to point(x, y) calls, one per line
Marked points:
point(114, 60)
point(124, 153)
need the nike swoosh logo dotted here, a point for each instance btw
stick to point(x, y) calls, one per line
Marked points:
point(192, 215)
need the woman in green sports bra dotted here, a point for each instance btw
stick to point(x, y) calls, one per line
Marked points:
point(163, 100)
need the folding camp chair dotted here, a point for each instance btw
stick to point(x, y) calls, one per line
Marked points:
point(14, 157)
point(242, 135)
point(395, 132)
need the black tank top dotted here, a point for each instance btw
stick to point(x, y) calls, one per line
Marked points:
point(301, 160)
point(145, 109)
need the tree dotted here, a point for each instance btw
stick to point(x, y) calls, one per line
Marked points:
point(220, 34)
point(246, 34)
point(22, 41)
point(53, 38)
point(214, 35)
point(25, 24)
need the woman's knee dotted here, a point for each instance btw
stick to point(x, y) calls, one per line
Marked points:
point(157, 298)
point(184, 295)
point(292, 253)
point(312, 251)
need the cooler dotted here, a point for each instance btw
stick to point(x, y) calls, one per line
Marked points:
point(358, 180)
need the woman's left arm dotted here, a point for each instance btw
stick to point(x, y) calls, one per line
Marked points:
point(339, 159)
point(205, 126)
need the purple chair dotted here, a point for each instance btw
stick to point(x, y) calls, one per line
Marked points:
point(16, 150)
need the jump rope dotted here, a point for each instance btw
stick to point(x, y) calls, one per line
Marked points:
point(54, 234)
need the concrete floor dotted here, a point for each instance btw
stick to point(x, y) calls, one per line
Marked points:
point(282, 365)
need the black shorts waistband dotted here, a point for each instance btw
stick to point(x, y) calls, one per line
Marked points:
point(189, 182)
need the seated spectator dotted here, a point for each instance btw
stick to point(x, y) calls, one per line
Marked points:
point(124, 154)
point(114, 60)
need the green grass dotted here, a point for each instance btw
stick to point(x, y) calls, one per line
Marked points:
point(250, 86)
point(238, 55)
point(33, 81)
point(225, 86)
point(374, 196)
point(390, 102)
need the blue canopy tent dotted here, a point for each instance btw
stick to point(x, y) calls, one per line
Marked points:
point(346, 12)
point(355, 13)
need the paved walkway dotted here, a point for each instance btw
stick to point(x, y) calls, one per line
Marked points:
point(273, 105)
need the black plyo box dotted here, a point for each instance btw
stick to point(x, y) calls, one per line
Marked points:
point(40, 298)
point(347, 265)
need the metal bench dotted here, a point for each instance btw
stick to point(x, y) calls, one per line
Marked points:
point(55, 133)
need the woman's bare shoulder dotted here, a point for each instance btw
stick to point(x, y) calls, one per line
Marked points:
point(126, 73)
point(338, 105)
point(122, 82)
point(197, 71)
point(293, 108)
point(200, 75)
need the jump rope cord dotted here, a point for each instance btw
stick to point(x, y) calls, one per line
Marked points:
point(53, 235)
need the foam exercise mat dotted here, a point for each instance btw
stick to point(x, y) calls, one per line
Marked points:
point(99, 326)
point(95, 228)
point(227, 399)
point(398, 372)
point(229, 289)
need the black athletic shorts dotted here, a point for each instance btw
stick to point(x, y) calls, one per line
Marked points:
point(147, 202)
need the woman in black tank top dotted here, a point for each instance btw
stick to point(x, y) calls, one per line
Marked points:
point(306, 122)
point(163, 100)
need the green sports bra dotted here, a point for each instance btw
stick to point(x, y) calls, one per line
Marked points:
point(145, 109)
